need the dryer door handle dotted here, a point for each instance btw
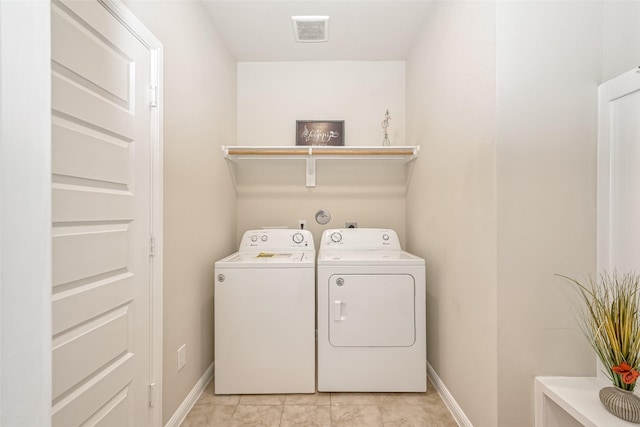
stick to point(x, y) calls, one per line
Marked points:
point(337, 311)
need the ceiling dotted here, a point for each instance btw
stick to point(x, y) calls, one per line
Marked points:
point(359, 30)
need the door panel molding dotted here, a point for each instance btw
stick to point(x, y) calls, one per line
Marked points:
point(91, 186)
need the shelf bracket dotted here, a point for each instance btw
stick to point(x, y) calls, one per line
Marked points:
point(311, 169)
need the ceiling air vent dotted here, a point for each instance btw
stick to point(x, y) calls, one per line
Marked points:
point(311, 29)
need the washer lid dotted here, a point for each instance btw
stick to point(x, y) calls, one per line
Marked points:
point(268, 259)
point(372, 257)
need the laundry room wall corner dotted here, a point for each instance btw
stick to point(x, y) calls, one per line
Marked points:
point(451, 202)
point(199, 200)
point(546, 185)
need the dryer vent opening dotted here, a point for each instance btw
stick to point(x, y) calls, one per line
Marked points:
point(311, 29)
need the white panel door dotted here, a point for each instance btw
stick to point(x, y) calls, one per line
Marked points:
point(619, 173)
point(372, 310)
point(101, 195)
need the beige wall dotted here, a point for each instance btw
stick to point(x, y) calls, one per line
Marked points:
point(521, 203)
point(621, 37)
point(546, 163)
point(451, 204)
point(272, 96)
point(369, 210)
point(199, 202)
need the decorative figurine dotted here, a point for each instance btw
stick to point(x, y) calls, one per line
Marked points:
point(385, 127)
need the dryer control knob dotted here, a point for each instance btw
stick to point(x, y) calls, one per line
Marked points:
point(339, 281)
point(264, 237)
point(297, 238)
point(254, 238)
point(385, 237)
point(336, 237)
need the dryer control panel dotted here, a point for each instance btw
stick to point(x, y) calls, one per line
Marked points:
point(276, 239)
point(360, 239)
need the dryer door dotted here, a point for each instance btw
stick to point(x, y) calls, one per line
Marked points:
point(371, 310)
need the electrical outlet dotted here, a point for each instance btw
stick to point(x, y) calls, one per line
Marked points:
point(182, 356)
point(351, 224)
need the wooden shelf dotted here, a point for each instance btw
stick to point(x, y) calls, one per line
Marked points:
point(236, 154)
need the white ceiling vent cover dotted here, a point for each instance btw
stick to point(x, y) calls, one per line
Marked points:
point(311, 29)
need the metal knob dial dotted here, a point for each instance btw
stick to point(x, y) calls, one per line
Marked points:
point(297, 238)
point(336, 237)
point(323, 216)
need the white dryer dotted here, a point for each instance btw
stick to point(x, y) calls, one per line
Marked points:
point(371, 313)
point(265, 315)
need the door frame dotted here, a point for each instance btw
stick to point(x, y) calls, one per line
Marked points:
point(608, 91)
point(140, 31)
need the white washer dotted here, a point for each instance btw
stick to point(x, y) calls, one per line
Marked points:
point(265, 315)
point(371, 313)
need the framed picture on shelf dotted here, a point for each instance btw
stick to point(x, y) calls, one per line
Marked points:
point(320, 132)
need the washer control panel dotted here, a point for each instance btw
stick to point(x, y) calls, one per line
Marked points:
point(360, 239)
point(276, 239)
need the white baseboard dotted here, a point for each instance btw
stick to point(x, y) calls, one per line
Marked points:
point(191, 399)
point(448, 399)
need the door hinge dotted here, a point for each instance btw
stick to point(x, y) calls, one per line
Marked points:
point(152, 395)
point(152, 246)
point(153, 96)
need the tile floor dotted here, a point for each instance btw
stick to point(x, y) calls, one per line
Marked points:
point(321, 409)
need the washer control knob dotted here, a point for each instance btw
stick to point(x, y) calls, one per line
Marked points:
point(254, 238)
point(339, 281)
point(264, 237)
point(385, 237)
point(221, 278)
point(298, 238)
point(336, 237)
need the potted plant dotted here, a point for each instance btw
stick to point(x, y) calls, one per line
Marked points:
point(611, 322)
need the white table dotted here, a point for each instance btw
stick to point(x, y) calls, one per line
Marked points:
point(572, 402)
